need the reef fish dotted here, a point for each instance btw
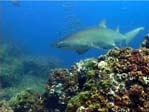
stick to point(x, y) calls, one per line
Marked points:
point(99, 37)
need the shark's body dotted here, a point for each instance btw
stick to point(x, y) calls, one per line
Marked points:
point(98, 37)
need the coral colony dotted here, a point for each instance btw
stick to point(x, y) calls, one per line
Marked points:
point(115, 82)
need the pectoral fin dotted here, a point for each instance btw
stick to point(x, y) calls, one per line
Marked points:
point(82, 50)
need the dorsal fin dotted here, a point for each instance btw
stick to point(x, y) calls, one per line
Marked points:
point(102, 24)
point(117, 29)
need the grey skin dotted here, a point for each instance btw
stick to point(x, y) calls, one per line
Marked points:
point(98, 37)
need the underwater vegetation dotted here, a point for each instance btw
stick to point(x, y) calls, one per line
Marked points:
point(19, 71)
point(115, 82)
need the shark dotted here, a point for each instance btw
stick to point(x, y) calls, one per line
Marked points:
point(98, 37)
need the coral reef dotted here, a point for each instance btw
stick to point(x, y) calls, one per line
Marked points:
point(145, 43)
point(5, 107)
point(11, 66)
point(115, 82)
point(19, 70)
point(39, 65)
point(118, 82)
point(62, 85)
point(27, 101)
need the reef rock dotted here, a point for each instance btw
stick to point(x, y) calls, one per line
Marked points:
point(115, 82)
point(145, 43)
point(5, 107)
point(28, 101)
point(118, 82)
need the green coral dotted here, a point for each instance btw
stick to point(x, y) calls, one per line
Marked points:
point(76, 101)
point(110, 81)
point(105, 83)
point(19, 71)
point(10, 73)
point(115, 82)
point(27, 101)
point(95, 106)
point(90, 74)
point(5, 107)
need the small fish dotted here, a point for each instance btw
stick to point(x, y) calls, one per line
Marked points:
point(99, 37)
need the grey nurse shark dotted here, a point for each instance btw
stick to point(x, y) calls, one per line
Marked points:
point(99, 37)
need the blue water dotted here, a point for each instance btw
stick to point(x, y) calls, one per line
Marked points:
point(36, 25)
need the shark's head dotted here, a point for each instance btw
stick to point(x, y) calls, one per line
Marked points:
point(67, 45)
point(61, 44)
point(141, 28)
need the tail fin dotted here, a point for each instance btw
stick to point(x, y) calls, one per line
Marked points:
point(131, 34)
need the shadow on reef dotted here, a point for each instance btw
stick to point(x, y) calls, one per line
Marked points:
point(115, 82)
point(19, 70)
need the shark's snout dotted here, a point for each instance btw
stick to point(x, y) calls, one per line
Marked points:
point(141, 28)
point(56, 45)
point(60, 44)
